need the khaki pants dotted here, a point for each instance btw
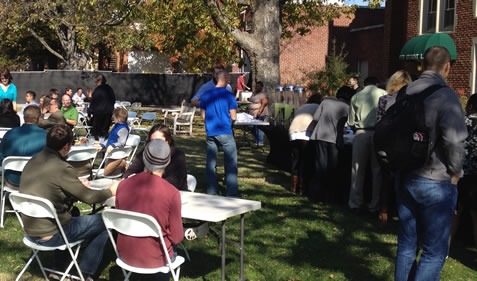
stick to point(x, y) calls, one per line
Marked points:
point(114, 167)
point(363, 153)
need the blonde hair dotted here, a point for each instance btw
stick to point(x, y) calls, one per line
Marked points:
point(398, 80)
point(121, 114)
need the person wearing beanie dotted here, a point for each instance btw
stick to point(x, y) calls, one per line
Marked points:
point(148, 193)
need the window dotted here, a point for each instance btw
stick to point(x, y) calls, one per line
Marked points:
point(437, 16)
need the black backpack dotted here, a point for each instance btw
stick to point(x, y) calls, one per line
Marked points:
point(402, 139)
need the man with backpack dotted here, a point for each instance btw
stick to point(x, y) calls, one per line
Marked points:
point(426, 196)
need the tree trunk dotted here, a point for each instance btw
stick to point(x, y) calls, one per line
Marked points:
point(263, 44)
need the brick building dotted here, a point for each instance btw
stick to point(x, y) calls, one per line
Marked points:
point(362, 35)
point(410, 18)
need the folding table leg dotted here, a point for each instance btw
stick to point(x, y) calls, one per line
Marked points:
point(242, 219)
point(223, 250)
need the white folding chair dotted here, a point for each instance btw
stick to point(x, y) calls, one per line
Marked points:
point(146, 116)
point(38, 207)
point(184, 118)
point(191, 183)
point(125, 104)
point(3, 131)
point(139, 225)
point(116, 153)
point(82, 154)
point(14, 164)
point(82, 124)
point(133, 141)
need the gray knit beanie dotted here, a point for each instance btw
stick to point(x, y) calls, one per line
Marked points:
point(157, 155)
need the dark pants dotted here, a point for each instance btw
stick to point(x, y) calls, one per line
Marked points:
point(326, 162)
point(101, 124)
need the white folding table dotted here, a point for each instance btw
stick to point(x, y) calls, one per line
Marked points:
point(210, 208)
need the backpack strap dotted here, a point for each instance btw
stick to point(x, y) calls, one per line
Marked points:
point(430, 90)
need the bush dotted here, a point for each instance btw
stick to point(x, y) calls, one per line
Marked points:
point(334, 75)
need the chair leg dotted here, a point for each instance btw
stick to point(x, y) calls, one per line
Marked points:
point(185, 251)
point(2, 215)
point(126, 277)
point(33, 256)
point(41, 266)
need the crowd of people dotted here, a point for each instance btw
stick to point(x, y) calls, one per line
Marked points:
point(425, 198)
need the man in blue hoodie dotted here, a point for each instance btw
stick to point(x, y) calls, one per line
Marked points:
point(426, 197)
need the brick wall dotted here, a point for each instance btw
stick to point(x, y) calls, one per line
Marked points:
point(306, 53)
point(460, 76)
point(303, 54)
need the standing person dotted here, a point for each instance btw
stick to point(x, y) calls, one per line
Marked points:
point(299, 133)
point(259, 110)
point(362, 117)
point(354, 84)
point(327, 137)
point(209, 85)
point(7, 89)
point(398, 80)
point(49, 176)
point(150, 194)
point(426, 198)
point(101, 107)
point(69, 111)
point(29, 100)
point(176, 172)
point(8, 116)
point(26, 140)
point(219, 110)
point(241, 86)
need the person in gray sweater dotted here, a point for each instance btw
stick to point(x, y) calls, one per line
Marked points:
point(327, 138)
point(426, 197)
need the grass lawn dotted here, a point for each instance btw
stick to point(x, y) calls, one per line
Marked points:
point(290, 238)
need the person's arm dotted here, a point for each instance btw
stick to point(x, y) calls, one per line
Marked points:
point(136, 167)
point(74, 120)
point(351, 117)
point(454, 132)
point(73, 186)
point(14, 103)
point(233, 114)
point(202, 113)
point(175, 220)
point(122, 138)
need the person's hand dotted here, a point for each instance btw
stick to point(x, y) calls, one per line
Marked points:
point(85, 182)
point(109, 149)
point(113, 187)
point(454, 179)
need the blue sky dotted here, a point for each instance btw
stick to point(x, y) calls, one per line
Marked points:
point(357, 2)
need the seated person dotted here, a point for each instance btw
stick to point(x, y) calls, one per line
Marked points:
point(79, 96)
point(69, 111)
point(8, 116)
point(176, 172)
point(117, 138)
point(27, 140)
point(150, 194)
point(49, 176)
point(53, 116)
point(29, 100)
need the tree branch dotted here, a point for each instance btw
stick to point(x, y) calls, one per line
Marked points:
point(244, 39)
point(45, 44)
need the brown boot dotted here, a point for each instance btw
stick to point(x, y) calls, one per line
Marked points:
point(294, 184)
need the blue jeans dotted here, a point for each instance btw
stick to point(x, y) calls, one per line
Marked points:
point(227, 142)
point(90, 227)
point(256, 132)
point(425, 209)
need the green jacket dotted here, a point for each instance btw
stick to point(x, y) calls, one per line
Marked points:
point(48, 175)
